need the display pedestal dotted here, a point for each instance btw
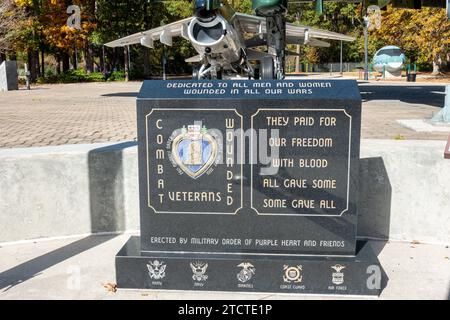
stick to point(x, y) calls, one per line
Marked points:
point(361, 274)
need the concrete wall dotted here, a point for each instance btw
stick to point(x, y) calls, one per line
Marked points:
point(74, 189)
point(67, 190)
point(405, 190)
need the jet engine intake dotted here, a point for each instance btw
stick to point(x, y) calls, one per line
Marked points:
point(216, 38)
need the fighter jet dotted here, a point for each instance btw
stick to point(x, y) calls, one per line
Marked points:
point(229, 42)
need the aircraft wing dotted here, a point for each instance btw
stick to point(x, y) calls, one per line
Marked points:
point(295, 34)
point(146, 38)
point(258, 40)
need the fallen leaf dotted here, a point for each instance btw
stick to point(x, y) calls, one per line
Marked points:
point(447, 258)
point(415, 242)
point(111, 287)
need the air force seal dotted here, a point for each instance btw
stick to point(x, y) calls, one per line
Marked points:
point(194, 150)
point(337, 277)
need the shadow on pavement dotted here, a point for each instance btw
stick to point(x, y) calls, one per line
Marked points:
point(374, 213)
point(413, 94)
point(33, 88)
point(34, 267)
point(121, 94)
point(375, 194)
point(290, 75)
point(106, 190)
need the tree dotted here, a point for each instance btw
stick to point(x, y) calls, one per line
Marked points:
point(424, 35)
point(57, 35)
point(29, 37)
point(337, 17)
point(434, 37)
point(11, 20)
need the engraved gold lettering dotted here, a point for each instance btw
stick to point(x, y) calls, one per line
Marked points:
point(312, 142)
point(282, 163)
point(270, 183)
point(229, 123)
point(324, 184)
point(274, 203)
point(277, 142)
point(194, 196)
point(312, 163)
point(327, 204)
point(230, 135)
point(277, 121)
point(303, 204)
point(229, 149)
point(328, 121)
point(295, 183)
point(303, 121)
point(160, 154)
point(159, 139)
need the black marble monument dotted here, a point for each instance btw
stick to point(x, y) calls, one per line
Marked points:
point(249, 186)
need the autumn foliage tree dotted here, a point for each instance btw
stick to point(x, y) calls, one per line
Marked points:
point(11, 20)
point(61, 39)
point(424, 34)
point(35, 30)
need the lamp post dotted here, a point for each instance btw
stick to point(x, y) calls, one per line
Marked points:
point(366, 44)
point(371, 21)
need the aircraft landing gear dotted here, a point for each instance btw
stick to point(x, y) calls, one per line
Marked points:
point(257, 73)
point(206, 72)
point(195, 72)
point(267, 69)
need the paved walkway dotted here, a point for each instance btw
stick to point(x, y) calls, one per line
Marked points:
point(78, 268)
point(102, 112)
point(68, 114)
point(385, 103)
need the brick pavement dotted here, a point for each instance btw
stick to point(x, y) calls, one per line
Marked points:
point(102, 112)
point(68, 114)
point(384, 103)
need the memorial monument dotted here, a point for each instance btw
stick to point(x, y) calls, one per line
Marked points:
point(249, 186)
point(8, 76)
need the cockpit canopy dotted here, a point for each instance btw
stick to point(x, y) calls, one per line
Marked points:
point(206, 10)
